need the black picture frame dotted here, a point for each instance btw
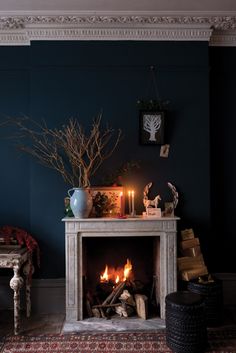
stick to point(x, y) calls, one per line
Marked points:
point(151, 127)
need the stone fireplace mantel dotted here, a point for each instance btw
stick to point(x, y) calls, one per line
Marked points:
point(163, 230)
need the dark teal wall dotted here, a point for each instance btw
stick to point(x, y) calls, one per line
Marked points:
point(57, 80)
point(15, 168)
point(223, 161)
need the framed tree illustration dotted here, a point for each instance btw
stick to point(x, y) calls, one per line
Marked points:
point(151, 128)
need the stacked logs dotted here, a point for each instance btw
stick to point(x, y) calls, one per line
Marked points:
point(119, 301)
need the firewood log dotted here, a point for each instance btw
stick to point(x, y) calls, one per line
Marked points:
point(96, 312)
point(141, 305)
point(124, 310)
point(116, 290)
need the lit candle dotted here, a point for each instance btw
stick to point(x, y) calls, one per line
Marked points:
point(129, 195)
point(132, 199)
point(121, 203)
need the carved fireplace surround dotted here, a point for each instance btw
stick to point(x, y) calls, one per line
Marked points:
point(164, 232)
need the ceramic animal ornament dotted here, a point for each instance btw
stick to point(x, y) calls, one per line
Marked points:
point(146, 201)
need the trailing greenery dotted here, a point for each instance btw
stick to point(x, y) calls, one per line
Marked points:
point(153, 104)
point(115, 177)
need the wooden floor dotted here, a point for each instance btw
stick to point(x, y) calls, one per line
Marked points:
point(35, 325)
point(53, 323)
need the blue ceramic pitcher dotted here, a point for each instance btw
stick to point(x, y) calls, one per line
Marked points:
point(80, 202)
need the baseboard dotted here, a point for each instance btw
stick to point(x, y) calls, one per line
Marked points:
point(47, 295)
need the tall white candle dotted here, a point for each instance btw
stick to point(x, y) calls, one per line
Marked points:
point(129, 197)
point(132, 199)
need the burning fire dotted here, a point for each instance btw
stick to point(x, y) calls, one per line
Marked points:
point(127, 269)
point(104, 277)
point(116, 275)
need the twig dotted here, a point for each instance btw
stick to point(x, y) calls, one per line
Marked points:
point(106, 305)
point(69, 150)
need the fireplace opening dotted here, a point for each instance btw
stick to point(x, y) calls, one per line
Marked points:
point(120, 277)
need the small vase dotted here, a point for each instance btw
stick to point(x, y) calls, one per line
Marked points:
point(80, 202)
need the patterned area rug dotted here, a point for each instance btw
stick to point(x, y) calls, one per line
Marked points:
point(219, 341)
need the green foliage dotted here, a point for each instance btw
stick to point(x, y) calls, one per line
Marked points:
point(103, 204)
point(115, 177)
point(153, 104)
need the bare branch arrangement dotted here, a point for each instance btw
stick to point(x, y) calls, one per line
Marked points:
point(69, 150)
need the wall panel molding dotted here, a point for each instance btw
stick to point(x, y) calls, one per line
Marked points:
point(48, 295)
point(21, 29)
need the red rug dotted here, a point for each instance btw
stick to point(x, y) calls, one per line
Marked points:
point(145, 342)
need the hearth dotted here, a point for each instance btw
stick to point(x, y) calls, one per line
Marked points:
point(150, 244)
point(119, 277)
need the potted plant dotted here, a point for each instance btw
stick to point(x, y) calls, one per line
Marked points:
point(73, 153)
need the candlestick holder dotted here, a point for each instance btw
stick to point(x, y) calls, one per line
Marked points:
point(132, 214)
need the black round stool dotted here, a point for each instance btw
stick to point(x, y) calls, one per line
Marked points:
point(213, 294)
point(186, 322)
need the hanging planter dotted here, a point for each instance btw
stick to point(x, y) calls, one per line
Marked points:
point(152, 117)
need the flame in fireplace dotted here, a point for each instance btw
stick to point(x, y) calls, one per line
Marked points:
point(104, 277)
point(127, 269)
point(116, 275)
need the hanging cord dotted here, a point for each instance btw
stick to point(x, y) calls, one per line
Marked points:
point(154, 103)
point(153, 77)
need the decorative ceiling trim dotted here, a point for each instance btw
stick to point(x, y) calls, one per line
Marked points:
point(22, 21)
point(22, 29)
point(223, 39)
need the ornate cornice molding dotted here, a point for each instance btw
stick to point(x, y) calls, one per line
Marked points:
point(22, 29)
point(223, 39)
point(20, 22)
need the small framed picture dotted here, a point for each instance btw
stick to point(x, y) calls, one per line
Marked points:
point(108, 201)
point(151, 127)
point(169, 209)
point(164, 151)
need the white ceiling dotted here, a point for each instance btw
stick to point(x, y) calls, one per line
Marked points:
point(118, 5)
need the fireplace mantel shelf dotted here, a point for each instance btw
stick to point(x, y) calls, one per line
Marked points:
point(118, 219)
point(163, 230)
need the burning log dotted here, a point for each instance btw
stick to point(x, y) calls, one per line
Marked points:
point(109, 303)
point(115, 294)
point(103, 289)
point(117, 291)
point(118, 298)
